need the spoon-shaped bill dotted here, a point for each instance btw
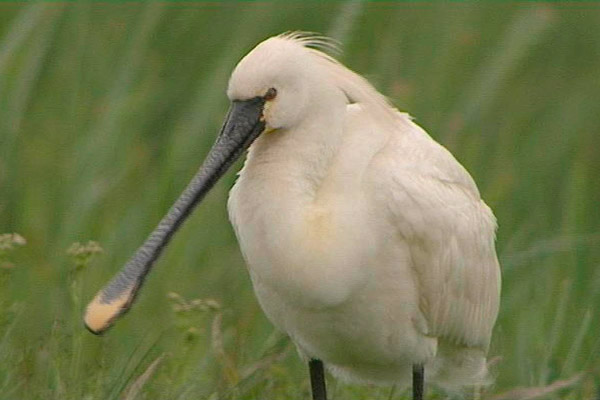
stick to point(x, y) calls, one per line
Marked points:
point(242, 125)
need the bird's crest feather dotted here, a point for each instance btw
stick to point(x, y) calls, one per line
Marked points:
point(356, 88)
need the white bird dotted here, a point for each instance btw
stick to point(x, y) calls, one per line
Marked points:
point(366, 241)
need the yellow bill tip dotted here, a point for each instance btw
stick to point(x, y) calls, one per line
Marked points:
point(100, 315)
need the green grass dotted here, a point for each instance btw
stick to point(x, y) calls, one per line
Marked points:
point(106, 111)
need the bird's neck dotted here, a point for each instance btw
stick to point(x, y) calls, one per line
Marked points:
point(296, 161)
point(284, 200)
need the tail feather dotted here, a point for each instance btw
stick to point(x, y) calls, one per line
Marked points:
point(457, 367)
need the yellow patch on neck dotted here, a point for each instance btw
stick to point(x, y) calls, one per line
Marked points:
point(320, 226)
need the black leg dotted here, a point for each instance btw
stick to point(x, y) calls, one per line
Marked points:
point(418, 381)
point(317, 380)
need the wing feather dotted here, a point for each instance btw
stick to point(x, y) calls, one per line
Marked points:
point(437, 210)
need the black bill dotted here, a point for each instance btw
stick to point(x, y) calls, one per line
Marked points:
point(242, 126)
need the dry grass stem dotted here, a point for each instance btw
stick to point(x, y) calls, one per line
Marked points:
point(537, 392)
point(136, 386)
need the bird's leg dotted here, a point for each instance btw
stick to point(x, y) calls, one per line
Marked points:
point(317, 379)
point(418, 381)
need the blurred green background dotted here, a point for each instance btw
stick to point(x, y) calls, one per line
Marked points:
point(107, 110)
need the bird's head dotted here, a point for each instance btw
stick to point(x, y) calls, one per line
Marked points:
point(288, 76)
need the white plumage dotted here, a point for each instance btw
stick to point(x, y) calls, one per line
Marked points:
point(366, 241)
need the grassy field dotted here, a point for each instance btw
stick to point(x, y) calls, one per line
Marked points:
point(107, 110)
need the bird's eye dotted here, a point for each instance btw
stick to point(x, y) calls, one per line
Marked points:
point(271, 94)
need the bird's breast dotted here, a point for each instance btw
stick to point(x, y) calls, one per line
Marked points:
point(311, 254)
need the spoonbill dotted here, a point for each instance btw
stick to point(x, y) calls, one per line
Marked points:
point(366, 241)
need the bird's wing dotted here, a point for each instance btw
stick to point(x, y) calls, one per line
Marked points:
point(436, 209)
